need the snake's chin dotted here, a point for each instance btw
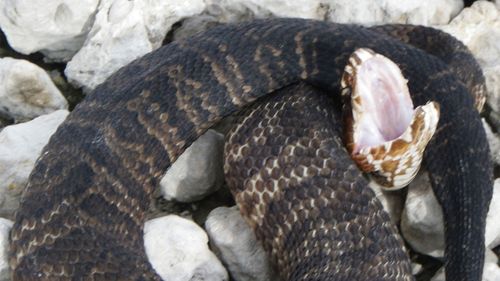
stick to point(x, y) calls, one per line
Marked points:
point(385, 134)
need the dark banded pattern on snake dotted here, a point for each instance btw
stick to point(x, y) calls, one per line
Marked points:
point(82, 214)
point(305, 198)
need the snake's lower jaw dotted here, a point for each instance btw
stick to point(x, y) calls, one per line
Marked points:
point(393, 164)
point(385, 136)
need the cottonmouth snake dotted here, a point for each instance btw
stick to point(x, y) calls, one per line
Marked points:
point(81, 216)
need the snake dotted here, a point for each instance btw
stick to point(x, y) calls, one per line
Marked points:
point(81, 216)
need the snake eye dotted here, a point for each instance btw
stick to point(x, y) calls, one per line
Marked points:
point(385, 135)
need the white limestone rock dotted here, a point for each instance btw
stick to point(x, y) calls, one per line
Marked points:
point(492, 235)
point(416, 268)
point(20, 146)
point(422, 220)
point(223, 11)
point(123, 31)
point(237, 247)
point(5, 226)
point(197, 172)
point(177, 249)
point(494, 142)
point(491, 270)
point(264, 8)
point(57, 27)
point(423, 12)
point(26, 90)
point(479, 28)
point(364, 12)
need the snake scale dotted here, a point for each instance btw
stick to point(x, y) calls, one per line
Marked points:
point(81, 216)
point(295, 170)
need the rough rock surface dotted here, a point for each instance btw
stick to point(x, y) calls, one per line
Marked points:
point(494, 141)
point(479, 28)
point(20, 146)
point(145, 23)
point(365, 12)
point(422, 220)
point(26, 90)
point(493, 219)
point(424, 12)
point(237, 247)
point(178, 250)
point(313, 9)
point(123, 31)
point(57, 27)
point(197, 172)
point(5, 226)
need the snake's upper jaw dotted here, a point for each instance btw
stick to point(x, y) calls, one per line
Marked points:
point(385, 135)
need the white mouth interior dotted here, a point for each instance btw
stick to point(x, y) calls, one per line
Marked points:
point(386, 107)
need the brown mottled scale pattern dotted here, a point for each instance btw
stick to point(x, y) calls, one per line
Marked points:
point(307, 201)
point(82, 213)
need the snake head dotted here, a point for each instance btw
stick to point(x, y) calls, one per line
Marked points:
point(385, 135)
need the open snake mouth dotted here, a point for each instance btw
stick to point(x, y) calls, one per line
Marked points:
point(385, 135)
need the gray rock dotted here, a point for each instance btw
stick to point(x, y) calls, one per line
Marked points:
point(494, 142)
point(416, 268)
point(57, 28)
point(123, 31)
point(424, 12)
point(266, 8)
point(20, 146)
point(422, 220)
point(26, 90)
point(237, 247)
point(364, 12)
point(492, 235)
point(216, 12)
point(178, 250)
point(494, 119)
point(479, 28)
point(5, 226)
point(367, 12)
point(197, 172)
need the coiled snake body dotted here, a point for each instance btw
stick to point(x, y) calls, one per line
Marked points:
point(81, 216)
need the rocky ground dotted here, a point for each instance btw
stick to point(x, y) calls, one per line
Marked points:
point(53, 52)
